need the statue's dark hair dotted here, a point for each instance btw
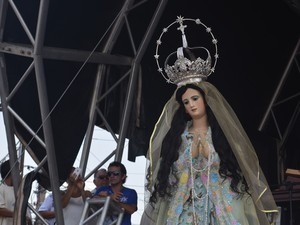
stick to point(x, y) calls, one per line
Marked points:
point(229, 166)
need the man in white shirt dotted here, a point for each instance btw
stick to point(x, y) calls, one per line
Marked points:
point(7, 196)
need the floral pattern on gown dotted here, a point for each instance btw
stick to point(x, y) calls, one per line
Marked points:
point(185, 206)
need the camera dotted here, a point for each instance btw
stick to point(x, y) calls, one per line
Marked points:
point(76, 173)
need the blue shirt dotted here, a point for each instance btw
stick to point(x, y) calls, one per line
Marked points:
point(129, 197)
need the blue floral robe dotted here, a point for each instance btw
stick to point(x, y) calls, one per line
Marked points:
point(190, 205)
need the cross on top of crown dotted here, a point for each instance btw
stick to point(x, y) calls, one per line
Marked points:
point(180, 21)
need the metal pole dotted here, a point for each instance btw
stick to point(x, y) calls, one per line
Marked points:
point(44, 107)
point(132, 82)
point(278, 89)
point(9, 127)
point(3, 11)
point(8, 119)
point(101, 69)
point(92, 119)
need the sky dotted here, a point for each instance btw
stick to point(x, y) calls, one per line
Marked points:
point(101, 140)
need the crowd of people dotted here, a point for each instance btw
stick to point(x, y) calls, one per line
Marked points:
point(108, 182)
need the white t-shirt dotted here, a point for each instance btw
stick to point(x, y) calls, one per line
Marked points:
point(73, 211)
point(7, 200)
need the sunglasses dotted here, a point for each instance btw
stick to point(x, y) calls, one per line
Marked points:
point(103, 177)
point(113, 173)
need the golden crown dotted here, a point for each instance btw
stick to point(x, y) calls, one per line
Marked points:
point(186, 69)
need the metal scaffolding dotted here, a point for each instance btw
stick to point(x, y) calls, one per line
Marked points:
point(37, 52)
point(283, 132)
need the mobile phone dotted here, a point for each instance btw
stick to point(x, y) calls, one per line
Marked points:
point(76, 173)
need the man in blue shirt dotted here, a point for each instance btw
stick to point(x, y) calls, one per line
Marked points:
point(125, 197)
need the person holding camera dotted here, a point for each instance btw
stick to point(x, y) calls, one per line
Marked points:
point(73, 198)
